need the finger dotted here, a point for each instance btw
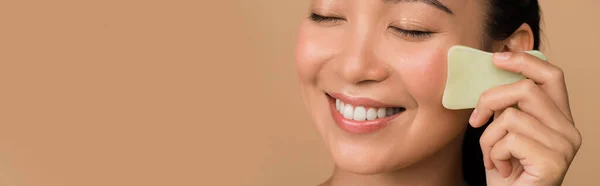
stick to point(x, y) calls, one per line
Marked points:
point(501, 161)
point(497, 113)
point(548, 76)
point(487, 162)
point(515, 121)
point(537, 159)
point(528, 97)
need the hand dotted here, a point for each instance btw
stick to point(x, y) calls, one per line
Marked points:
point(534, 144)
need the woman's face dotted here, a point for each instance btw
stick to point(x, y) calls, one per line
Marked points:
point(372, 74)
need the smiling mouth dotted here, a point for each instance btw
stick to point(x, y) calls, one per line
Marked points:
point(368, 110)
point(362, 109)
point(361, 115)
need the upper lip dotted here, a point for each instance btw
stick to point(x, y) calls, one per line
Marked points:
point(360, 101)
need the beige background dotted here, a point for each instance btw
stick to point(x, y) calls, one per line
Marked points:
point(149, 92)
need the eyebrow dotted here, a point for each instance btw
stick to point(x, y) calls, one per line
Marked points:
point(434, 3)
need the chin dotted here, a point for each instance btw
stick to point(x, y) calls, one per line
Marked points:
point(404, 144)
point(370, 159)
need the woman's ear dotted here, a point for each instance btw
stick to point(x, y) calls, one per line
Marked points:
point(521, 40)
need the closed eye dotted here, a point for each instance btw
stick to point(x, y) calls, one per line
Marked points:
point(319, 18)
point(415, 34)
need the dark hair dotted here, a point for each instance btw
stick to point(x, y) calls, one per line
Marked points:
point(503, 18)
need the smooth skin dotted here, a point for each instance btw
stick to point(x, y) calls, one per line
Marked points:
point(359, 49)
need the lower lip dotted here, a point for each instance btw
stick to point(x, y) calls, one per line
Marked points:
point(359, 127)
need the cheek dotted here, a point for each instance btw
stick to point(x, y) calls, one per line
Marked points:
point(312, 52)
point(425, 76)
point(306, 64)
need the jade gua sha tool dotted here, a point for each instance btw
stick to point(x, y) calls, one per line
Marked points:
point(471, 72)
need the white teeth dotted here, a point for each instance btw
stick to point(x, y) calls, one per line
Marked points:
point(348, 112)
point(360, 114)
point(381, 113)
point(371, 114)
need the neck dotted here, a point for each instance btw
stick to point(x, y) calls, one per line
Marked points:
point(442, 168)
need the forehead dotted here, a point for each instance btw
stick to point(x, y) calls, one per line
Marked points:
point(467, 7)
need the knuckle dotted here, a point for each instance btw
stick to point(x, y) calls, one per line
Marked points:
point(528, 85)
point(566, 148)
point(512, 115)
point(578, 140)
point(494, 155)
point(485, 96)
point(485, 141)
point(512, 138)
point(556, 73)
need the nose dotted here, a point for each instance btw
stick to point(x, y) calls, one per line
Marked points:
point(359, 62)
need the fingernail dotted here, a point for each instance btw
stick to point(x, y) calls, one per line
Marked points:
point(473, 116)
point(502, 56)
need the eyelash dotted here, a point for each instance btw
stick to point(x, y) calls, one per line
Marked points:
point(407, 33)
point(412, 33)
point(319, 18)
